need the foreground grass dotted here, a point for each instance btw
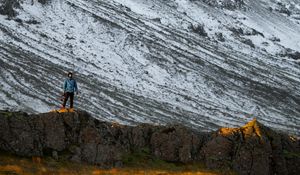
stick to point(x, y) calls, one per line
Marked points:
point(135, 164)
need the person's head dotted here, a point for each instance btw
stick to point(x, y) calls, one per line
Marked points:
point(70, 74)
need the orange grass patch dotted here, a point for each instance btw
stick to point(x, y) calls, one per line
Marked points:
point(11, 169)
point(10, 164)
point(146, 172)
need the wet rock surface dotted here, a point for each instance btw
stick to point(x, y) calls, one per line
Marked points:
point(251, 149)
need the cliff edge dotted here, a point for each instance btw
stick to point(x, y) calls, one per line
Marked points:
point(78, 137)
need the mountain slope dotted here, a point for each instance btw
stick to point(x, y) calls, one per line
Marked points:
point(200, 63)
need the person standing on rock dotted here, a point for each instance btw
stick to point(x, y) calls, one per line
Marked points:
point(70, 87)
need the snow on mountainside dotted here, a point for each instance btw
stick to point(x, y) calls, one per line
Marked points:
point(196, 62)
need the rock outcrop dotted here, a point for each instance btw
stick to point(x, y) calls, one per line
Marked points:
point(252, 149)
point(227, 4)
point(7, 7)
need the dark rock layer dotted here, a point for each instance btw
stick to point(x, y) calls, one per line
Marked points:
point(252, 149)
point(7, 7)
point(227, 4)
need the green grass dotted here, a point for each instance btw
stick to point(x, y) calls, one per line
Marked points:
point(288, 154)
point(143, 159)
point(6, 114)
point(140, 163)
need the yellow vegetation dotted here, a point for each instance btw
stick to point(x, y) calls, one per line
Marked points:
point(145, 172)
point(11, 168)
point(228, 131)
point(251, 129)
point(37, 166)
point(64, 110)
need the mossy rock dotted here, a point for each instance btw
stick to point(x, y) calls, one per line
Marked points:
point(6, 114)
point(291, 155)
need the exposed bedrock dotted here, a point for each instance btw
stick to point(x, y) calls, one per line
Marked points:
point(251, 149)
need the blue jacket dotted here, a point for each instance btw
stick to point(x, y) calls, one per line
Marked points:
point(70, 85)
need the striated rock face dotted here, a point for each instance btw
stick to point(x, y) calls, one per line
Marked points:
point(252, 149)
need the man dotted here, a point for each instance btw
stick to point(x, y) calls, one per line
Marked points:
point(70, 86)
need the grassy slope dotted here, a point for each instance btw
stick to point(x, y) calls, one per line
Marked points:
point(137, 163)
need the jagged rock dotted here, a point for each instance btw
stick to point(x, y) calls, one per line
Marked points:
point(55, 135)
point(217, 152)
point(274, 39)
point(237, 31)
point(176, 143)
point(198, 28)
point(228, 4)
point(7, 7)
point(294, 55)
point(43, 1)
point(220, 37)
point(248, 42)
point(140, 136)
point(252, 149)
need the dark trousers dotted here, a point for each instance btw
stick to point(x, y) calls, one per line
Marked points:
point(67, 95)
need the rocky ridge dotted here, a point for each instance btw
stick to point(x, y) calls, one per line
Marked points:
point(204, 64)
point(79, 137)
